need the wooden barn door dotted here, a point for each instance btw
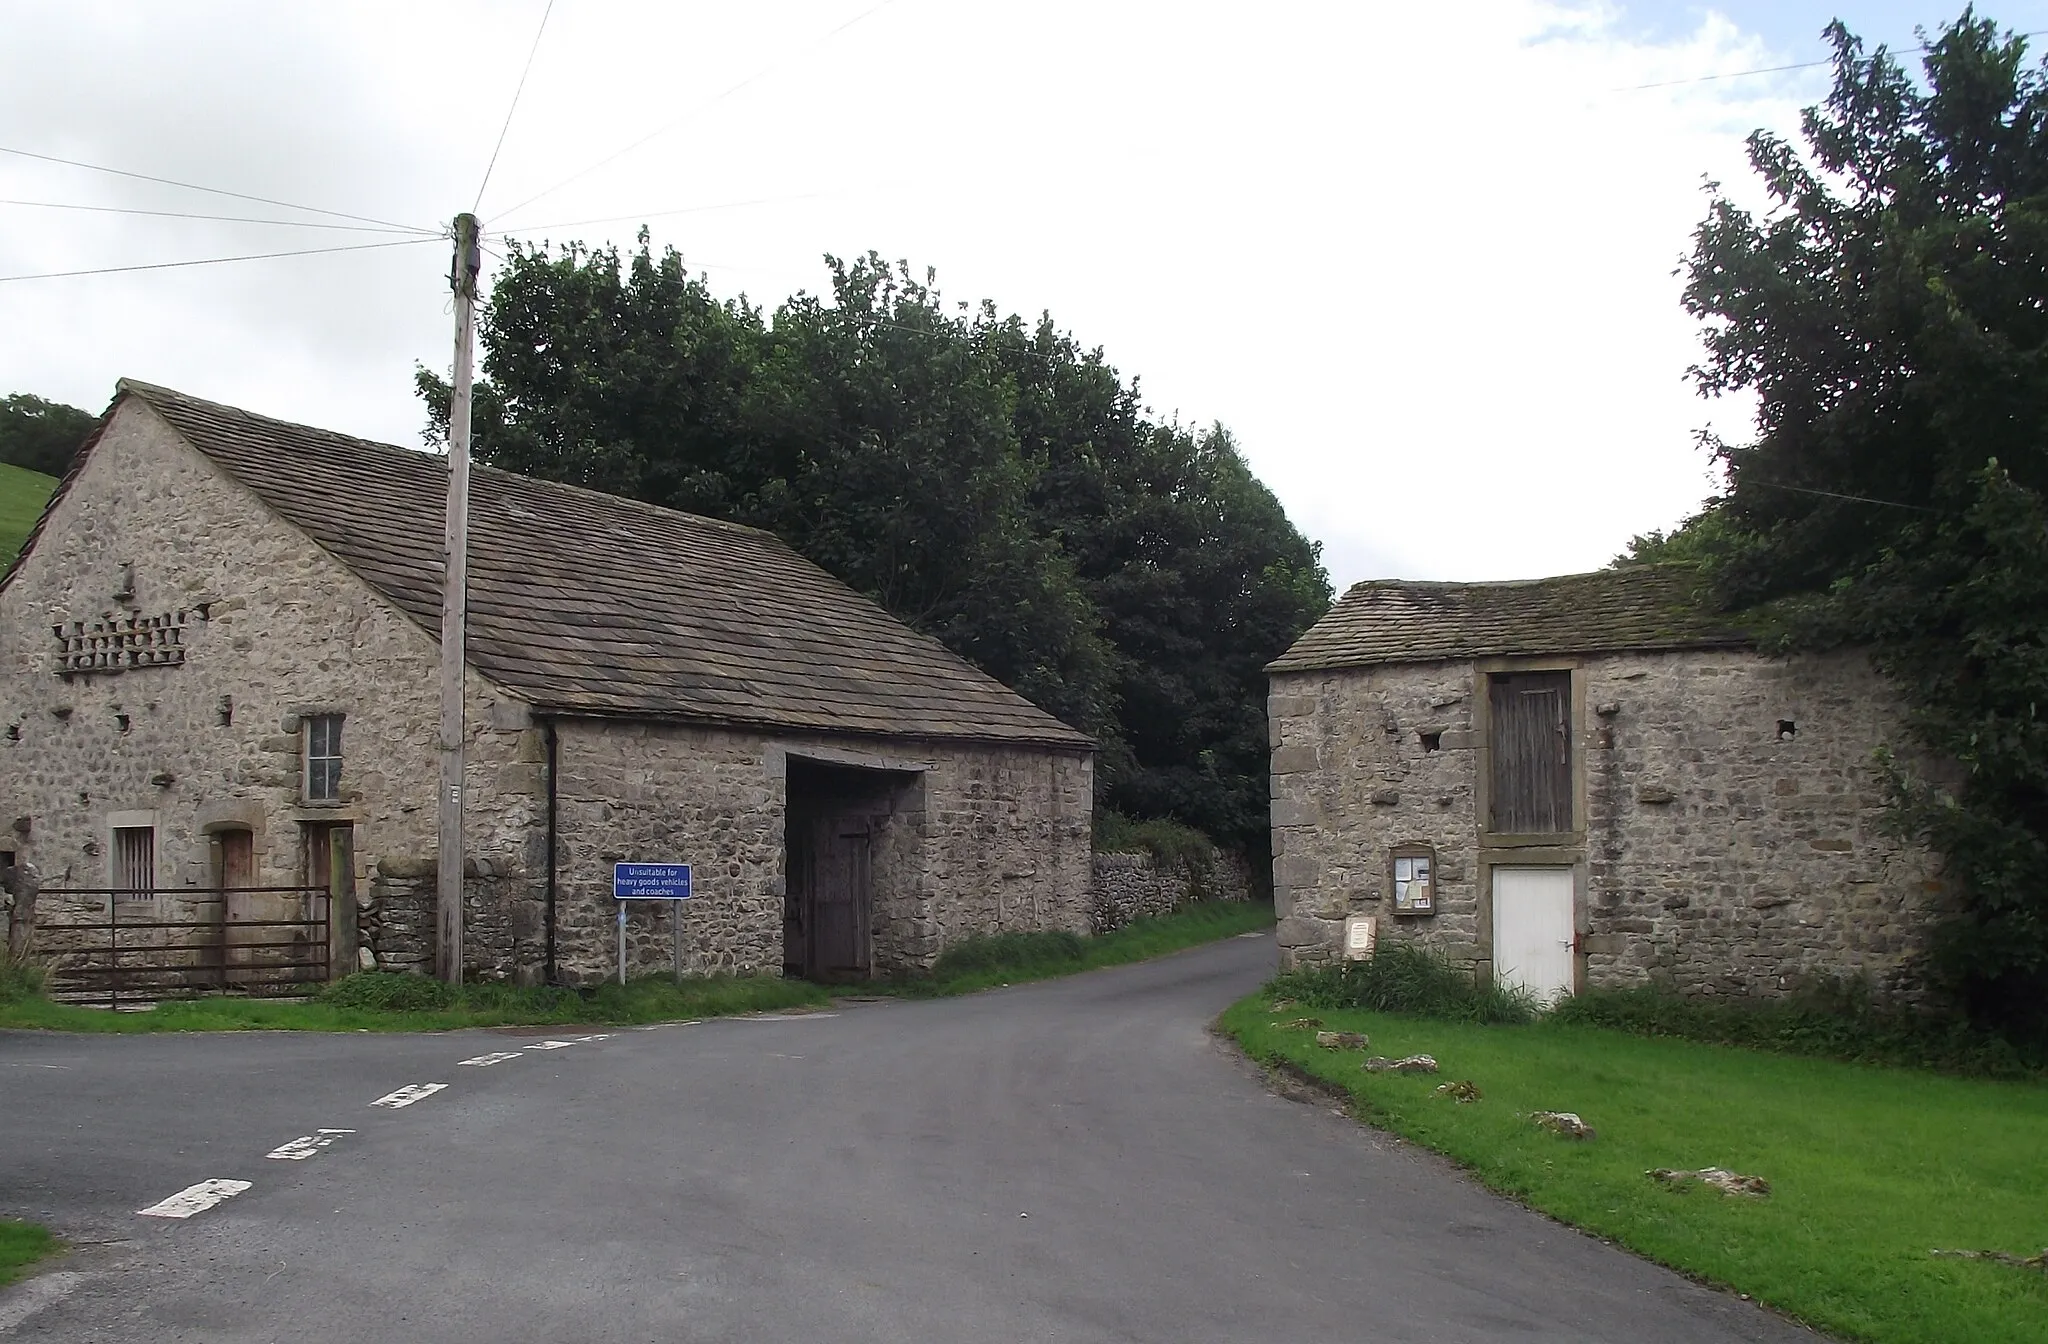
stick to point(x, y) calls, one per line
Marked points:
point(838, 898)
point(1531, 746)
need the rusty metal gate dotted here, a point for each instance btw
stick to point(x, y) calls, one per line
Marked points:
point(136, 947)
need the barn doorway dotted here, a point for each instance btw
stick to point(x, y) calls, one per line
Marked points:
point(1534, 946)
point(833, 831)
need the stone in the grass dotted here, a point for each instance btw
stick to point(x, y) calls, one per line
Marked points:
point(1462, 1091)
point(1302, 1024)
point(1343, 1040)
point(1406, 1064)
point(1714, 1178)
point(1280, 1005)
point(1565, 1123)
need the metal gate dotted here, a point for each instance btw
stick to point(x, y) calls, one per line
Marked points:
point(137, 947)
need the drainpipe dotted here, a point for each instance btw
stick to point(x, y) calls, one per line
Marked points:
point(554, 751)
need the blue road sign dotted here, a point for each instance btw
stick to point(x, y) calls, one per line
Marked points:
point(651, 881)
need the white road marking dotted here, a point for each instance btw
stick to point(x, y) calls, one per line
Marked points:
point(42, 1291)
point(603, 1036)
point(551, 1045)
point(1255, 933)
point(785, 1017)
point(195, 1199)
point(496, 1057)
point(407, 1095)
point(299, 1149)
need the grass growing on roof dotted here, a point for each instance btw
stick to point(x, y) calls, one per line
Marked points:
point(22, 496)
point(1870, 1168)
point(21, 1245)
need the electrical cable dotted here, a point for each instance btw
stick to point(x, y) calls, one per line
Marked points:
point(663, 214)
point(714, 100)
point(520, 88)
point(1774, 69)
point(215, 261)
point(217, 191)
point(226, 219)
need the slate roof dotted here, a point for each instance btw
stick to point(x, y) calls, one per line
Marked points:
point(585, 602)
point(1640, 607)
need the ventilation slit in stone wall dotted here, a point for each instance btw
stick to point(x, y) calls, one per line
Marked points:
point(1787, 730)
point(1431, 741)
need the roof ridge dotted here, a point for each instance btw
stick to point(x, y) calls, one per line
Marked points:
point(1632, 567)
point(149, 391)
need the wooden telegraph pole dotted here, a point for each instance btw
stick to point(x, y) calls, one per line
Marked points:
point(454, 604)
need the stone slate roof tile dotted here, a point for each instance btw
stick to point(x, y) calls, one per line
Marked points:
point(585, 602)
point(1639, 607)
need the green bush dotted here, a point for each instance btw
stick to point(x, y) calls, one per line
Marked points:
point(1008, 951)
point(1168, 842)
point(391, 992)
point(1400, 978)
point(1837, 1020)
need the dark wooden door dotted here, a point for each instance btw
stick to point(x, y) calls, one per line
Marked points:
point(839, 897)
point(1531, 741)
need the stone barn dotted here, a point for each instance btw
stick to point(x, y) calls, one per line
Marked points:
point(218, 670)
point(1586, 781)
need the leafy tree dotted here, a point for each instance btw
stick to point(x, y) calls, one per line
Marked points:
point(41, 435)
point(1891, 315)
point(990, 483)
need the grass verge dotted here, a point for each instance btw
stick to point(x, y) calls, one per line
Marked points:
point(389, 1002)
point(386, 1002)
point(1013, 958)
point(21, 1245)
point(1870, 1168)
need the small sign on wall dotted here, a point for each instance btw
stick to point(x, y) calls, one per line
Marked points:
point(1361, 934)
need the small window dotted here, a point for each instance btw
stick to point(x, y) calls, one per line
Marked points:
point(323, 758)
point(135, 861)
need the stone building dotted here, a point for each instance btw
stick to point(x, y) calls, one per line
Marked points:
point(1586, 781)
point(218, 669)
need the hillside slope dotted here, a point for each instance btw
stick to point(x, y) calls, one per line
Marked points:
point(22, 496)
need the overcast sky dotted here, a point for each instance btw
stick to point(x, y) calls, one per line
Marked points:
point(1419, 258)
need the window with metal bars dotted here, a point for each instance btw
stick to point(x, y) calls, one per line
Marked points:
point(135, 861)
point(323, 758)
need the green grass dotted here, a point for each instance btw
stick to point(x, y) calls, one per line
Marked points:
point(1013, 958)
point(387, 1002)
point(382, 1001)
point(22, 496)
point(21, 1245)
point(1870, 1167)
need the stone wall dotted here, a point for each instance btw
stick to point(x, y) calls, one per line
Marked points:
point(980, 839)
point(275, 629)
point(1731, 839)
point(1129, 887)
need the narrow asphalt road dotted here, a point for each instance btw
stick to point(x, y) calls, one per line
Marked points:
point(1072, 1161)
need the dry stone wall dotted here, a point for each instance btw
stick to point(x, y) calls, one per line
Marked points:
point(1732, 843)
point(1130, 887)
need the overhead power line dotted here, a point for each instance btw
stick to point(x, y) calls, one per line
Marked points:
point(216, 261)
point(518, 89)
point(1774, 69)
point(226, 219)
point(217, 191)
point(713, 101)
point(663, 214)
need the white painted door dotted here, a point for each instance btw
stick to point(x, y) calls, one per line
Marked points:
point(1532, 930)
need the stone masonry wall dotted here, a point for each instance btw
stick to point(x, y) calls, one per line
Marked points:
point(1129, 887)
point(278, 629)
point(984, 839)
point(1720, 856)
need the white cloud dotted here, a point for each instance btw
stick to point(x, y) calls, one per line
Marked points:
point(1419, 259)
